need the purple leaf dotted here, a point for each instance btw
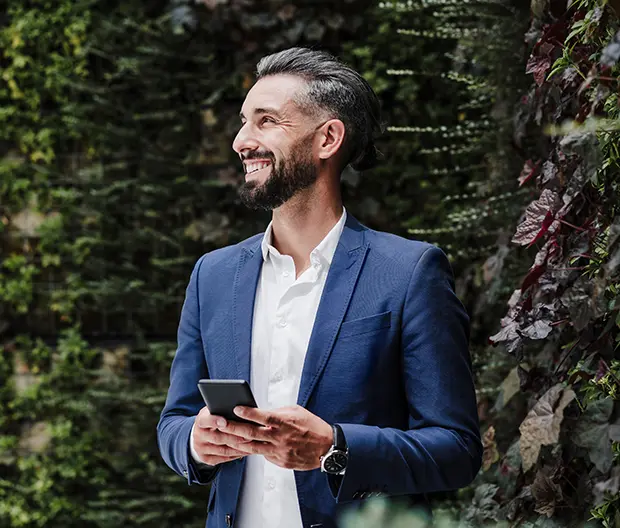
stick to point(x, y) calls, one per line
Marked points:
point(537, 330)
point(539, 66)
point(532, 277)
point(529, 170)
point(538, 218)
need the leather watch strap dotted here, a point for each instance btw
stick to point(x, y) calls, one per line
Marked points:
point(339, 440)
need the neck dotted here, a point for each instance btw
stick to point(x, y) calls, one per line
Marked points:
point(301, 223)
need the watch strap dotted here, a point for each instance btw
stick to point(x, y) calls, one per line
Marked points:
point(339, 440)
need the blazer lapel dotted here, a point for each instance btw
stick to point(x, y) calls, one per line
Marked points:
point(343, 273)
point(244, 294)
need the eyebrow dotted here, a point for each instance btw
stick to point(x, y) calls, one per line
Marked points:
point(266, 110)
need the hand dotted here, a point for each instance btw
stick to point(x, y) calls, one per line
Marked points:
point(213, 446)
point(290, 437)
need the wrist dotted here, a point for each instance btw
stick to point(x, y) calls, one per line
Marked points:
point(335, 460)
point(329, 440)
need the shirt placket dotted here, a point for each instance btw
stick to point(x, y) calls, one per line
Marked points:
point(277, 375)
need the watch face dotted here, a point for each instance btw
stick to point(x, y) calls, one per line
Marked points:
point(336, 462)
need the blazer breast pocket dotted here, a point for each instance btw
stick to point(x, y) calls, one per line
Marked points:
point(366, 325)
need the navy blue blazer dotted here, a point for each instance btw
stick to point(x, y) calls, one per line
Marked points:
point(388, 360)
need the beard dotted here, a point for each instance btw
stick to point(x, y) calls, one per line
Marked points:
point(285, 180)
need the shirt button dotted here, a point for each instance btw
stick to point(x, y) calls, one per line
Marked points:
point(282, 323)
point(286, 274)
point(277, 377)
point(271, 483)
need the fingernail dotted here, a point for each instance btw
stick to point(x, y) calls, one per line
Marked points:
point(221, 422)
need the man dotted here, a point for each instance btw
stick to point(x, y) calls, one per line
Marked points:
point(353, 341)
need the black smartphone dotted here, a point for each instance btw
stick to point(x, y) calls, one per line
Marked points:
point(222, 396)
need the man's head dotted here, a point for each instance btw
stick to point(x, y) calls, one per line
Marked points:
point(308, 114)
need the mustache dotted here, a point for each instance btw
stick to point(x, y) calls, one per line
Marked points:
point(257, 155)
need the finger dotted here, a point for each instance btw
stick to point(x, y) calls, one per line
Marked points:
point(219, 450)
point(206, 420)
point(257, 448)
point(249, 431)
point(213, 436)
point(259, 416)
point(214, 460)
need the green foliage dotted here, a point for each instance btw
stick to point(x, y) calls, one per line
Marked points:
point(116, 174)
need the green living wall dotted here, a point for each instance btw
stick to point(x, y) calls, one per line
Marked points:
point(116, 174)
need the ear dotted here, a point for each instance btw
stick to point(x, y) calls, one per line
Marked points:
point(331, 138)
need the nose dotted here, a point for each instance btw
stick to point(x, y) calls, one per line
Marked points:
point(244, 141)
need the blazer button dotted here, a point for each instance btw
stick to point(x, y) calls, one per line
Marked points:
point(185, 473)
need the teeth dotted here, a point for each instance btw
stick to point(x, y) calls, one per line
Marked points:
point(253, 167)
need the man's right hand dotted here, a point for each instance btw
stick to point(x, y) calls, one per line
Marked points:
point(213, 446)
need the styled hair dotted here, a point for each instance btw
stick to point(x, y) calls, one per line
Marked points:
point(337, 89)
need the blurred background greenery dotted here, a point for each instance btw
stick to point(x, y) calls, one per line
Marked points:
point(117, 173)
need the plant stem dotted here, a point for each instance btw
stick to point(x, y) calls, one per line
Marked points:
point(571, 225)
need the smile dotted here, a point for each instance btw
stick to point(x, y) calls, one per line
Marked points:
point(251, 168)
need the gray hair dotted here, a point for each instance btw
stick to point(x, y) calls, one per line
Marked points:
point(337, 89)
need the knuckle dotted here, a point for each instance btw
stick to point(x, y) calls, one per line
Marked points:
point(232, 427)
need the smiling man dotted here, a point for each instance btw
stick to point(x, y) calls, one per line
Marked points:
point(353, 340)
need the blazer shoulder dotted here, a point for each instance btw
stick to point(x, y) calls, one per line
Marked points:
point(395, 247)
point(227, 254)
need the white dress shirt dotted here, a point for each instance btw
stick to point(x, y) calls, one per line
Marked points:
point(284, 312)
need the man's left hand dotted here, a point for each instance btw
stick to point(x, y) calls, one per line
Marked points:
point(290, 437)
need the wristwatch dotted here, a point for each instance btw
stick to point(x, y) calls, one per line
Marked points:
point(334, 462)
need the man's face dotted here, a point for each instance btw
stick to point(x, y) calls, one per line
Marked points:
point(275, 143)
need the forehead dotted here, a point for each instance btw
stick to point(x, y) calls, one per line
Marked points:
point(274, 91)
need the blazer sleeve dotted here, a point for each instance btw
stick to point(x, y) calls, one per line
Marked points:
point(184, 401)
point(442, 449)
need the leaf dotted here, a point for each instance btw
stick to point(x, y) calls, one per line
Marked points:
point(537, 330)
point(483, 507)
point(539, 67)
point(506, 333)
point(607, 488)
point(532, 277)
point(577, 299)
point(511, 339)
point(538, 218)
point(611, 53)
point(490, 454)
point(592, 433)
point(509, 387)
point(546, 493)
point(528, 171)
point(542, 424)
point(549, 173)
point(614, 233)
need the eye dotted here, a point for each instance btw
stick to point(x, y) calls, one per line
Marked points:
point(267, 119)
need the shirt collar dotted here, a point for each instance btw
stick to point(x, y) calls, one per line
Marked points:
point(324, 251)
